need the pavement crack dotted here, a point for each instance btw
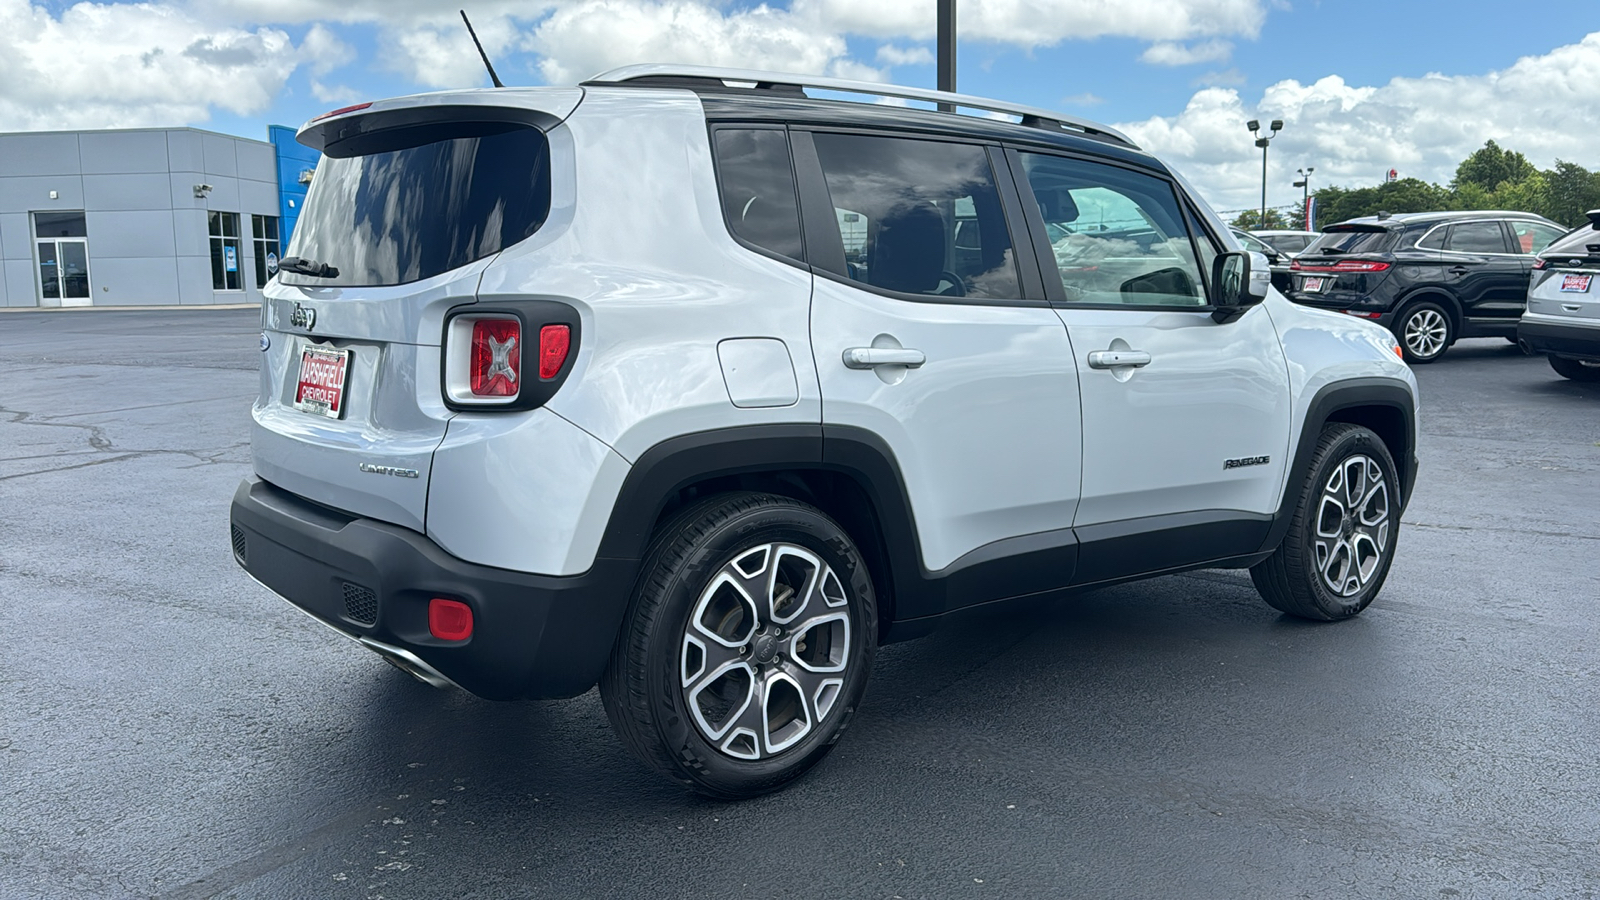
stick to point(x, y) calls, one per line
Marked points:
point(1504, 530)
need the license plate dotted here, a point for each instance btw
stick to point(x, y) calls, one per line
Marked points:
point(324, 374)
point(1314, 284)
point(1575, 284)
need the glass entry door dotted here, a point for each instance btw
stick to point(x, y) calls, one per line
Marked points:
point(63, 258)
point(64, 273)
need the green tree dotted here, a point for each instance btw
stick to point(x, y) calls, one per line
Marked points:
point(1529, 194)
point(1573, 191)
point(1337, 204)
point(1490, 166)
point(1250, 220)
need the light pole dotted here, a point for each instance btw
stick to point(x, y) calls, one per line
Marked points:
point(1262, 142)
point(1305, 195)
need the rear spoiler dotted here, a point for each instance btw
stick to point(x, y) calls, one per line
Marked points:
point(408, 121)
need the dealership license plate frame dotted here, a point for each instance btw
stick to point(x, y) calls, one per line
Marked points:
point(321, 406)
point(1568, 280)
point(1314, 284)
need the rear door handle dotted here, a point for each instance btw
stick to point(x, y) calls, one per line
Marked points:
point(1111, 359)
point(872, 357)
point(1459, 270)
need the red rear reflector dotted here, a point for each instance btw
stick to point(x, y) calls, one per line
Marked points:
point(1362, 315)
point(341, 111)
point(554, 342)
point(449, 620)
point(496, 364)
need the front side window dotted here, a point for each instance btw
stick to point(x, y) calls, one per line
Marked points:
point(1119, 237)
point(224, 229)
point(756, 180)
point(1533, 236)
point(423, 203)
point(1476, 237)
point(264, 232)
point(919, 217)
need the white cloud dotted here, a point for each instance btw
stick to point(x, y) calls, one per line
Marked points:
point(1353, 134)
point(1172, 53)
point(890, 55)
point(323, 51)
point(1035, 23)
point(1083, 99)
point(589, 36)
point(120, 65)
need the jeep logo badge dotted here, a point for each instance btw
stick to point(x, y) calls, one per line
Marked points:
point(303, 317)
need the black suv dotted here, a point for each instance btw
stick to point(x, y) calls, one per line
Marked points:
point(1428, 277)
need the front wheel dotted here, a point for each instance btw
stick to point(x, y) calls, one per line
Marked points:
point(1424, 331)
point(1574, 369)
point(1336, 555)
point(746, 648)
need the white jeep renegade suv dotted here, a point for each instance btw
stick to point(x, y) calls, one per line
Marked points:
point(690, 385)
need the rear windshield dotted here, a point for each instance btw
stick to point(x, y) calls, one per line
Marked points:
point(1352, 240)
point(410, 213)
point(1574, 244)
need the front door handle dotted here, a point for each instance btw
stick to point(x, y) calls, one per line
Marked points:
point(1111, 359)
point(872, 357)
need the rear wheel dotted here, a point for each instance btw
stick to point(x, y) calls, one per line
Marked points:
point(1424, 331)
point(747, 645)
point(1334, 559)
point(1575, 369)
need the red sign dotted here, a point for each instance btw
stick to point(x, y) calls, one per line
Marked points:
point(321, 388)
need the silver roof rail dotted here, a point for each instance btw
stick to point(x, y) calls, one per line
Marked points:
point(1031, 116)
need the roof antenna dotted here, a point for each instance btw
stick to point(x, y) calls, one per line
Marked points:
point(486, 64)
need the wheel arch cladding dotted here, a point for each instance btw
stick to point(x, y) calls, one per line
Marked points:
point(1384, 406)
point(859, 488)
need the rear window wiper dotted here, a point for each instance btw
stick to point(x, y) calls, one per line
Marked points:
point(301, 266)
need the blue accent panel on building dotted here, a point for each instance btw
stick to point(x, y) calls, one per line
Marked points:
point(294, 158)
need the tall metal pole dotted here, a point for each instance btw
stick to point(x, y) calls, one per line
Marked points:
point(947, 49)
point(1262, 222)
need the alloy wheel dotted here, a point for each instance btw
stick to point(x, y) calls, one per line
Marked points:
point(1425, 332)
point(765, 651)
point(1353, 522)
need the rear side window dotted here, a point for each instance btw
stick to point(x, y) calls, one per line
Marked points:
point(1353, 240)
point(1476, 237)
point(919, 217)
point(1434, 240)
point(416, 209)
point(1119, 237)
point(756, 180)
point(1532, 237)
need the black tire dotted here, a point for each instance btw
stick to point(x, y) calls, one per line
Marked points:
point(661, 712)
point(1298, 577)
point(1575, 370)
point(1425, 331)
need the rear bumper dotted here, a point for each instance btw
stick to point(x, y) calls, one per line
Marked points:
point(1581, 341)
point(533, 635)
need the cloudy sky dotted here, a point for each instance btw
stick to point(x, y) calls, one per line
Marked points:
point(1363, 86)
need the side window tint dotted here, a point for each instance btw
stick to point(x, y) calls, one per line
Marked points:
point(1119, 236)
point(1533, 237)
point(919, 217)
point(1433, 240)
point(756, 180)
point(1209, 251)
point(1476, 237)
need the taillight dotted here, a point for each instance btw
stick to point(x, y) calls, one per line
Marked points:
point(495, 369)
point(554, 342)
point(1294, 265)
point(1541, 264)
point(449, 620)
point(1344, 265)
point(341, 111)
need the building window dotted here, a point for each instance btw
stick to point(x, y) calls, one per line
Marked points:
point(225, 252)
point(264, 230)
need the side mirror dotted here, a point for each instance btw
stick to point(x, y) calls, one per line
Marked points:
point(1241, 280)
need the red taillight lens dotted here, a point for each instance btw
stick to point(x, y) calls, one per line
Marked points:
point(1362, 315)
point(341, 111)
point(496, 365)
point(1294, 265)
point(1541, 264)
point(1356, 265)
point(554, 342)
point(449, 620)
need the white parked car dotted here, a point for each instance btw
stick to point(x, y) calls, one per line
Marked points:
point(686, 384)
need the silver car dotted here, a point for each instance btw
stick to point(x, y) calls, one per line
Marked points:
point(1563, 315)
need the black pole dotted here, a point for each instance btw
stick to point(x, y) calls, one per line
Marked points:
point(1262, 224)
point(947, 49)
point(486, 64)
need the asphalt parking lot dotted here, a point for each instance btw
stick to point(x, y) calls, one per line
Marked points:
point(170, 729)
